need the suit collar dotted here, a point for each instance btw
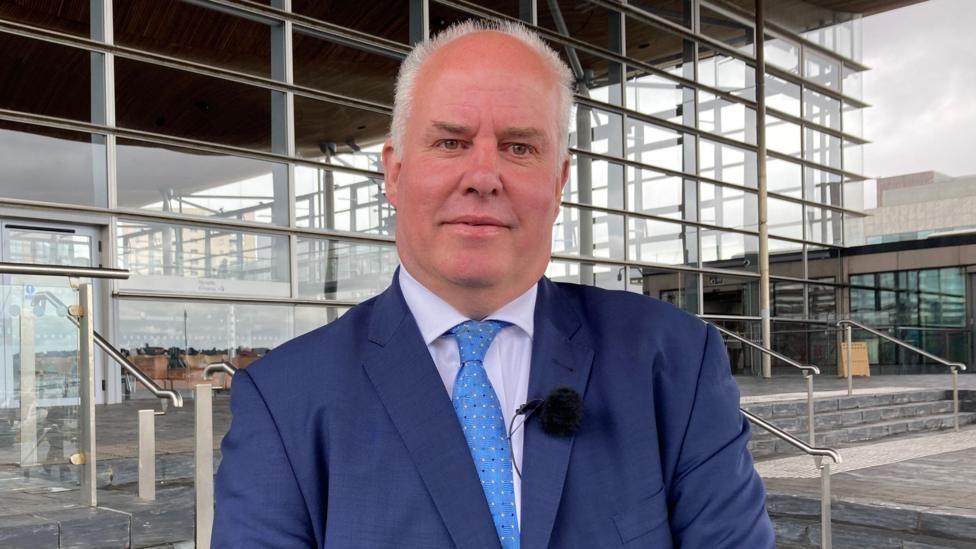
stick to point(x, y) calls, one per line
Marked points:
point(562, 355)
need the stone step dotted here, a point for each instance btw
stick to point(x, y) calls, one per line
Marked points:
point(825, 421)
point(837, 438)
point(798, 408)
point(859, 524)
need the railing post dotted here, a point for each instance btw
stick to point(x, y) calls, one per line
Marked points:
point(203, 470)
point(850, 359)
point(86, 391)
point(826, 533)
point(147, 455)
point(810, 417)
point(955, 396)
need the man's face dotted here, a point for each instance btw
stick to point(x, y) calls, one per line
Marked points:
point(478, 181)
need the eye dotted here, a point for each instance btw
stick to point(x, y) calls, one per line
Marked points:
point(519, 149)
point(449, 144)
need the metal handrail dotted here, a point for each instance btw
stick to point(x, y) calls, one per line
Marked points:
point(62, 270)
point(818, 454)
point(808, 372)
point(219, 367)
point(114, 354)
point(805, 368)
point(954, 367)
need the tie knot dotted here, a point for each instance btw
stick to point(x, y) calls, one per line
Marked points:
point(474, 337)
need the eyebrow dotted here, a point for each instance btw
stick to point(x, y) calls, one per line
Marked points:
point(508, 133)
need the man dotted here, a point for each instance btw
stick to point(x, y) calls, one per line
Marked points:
point(346, 436)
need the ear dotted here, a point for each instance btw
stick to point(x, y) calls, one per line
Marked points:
point(391, 171)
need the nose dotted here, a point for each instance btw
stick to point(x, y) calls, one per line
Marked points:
point(481, 176)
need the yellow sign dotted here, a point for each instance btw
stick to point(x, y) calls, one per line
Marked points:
point(859, 355)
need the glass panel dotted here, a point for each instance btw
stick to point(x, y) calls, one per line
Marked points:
point(602, 236)
point(336, 134)
point(726, 118)
point(595, 182)
point(67, 16)
point(783, 54)
point(730, 295)
point(162, 100)
point(787, 299)
point(172, 342)
point(191, 259)
point(193, 32)
point(602, 77)
point(390, 20)
point(653, 241)
point(596, 131)
point(38, 379)
point(308, 318)
point(676, 11)
point(729, 207)
point(52, 165)
point(658, 97)
point(822, 187)
point(853, 157)
point(725, 250)
point(31, 245)
point(853, 119)
point(30, 86)
point(782, 95)
point(783, 136)
point(726, 73)
point(345, 70)
point(824, 226)
point(345, 201)
point(677, 288)
point(659, 48)
point(726, 163)
point(786, 258)
point(723, 28)
point(335, 269)
point(186, 182)
point(584, 21)
point(820, 109)
point(784, 177)
point(655, 193)
point(821, 70)
point(853, 83)
point(609, 277)
point(655, 146)
point(785, 218)
point(822, 148)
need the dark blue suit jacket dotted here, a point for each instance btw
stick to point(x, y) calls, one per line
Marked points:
point(346, 437)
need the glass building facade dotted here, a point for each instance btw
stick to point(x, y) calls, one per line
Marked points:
point(227, 153)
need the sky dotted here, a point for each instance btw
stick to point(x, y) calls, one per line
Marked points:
point(922, 88)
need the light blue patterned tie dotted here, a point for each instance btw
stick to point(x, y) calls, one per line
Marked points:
point(480, 414)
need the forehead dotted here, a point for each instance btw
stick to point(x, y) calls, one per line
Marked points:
point(487, 71)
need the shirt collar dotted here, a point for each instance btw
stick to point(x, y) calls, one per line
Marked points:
point(435, 316)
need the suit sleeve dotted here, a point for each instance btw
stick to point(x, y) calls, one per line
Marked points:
point(717, 498)
point(258, 500)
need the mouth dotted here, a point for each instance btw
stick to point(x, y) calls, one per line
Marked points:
point(478, 221)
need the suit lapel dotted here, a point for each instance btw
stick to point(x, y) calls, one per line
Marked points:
point(561, 356)
point(413, 394)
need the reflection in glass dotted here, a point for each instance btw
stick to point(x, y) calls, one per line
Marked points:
point(727, 163)
point(730, 295)
point(822, 148)
point(823, 187)
point(726, 118)
point(608, 277)
point(581, 231)
point(596, 130)
point(344, 201)
point(335, 269)
point(727, 73)
point(187, 258)
point(821, 109)
point(71, 169)
point(727, 250)
point(785, 218)
point(675, 287)
point(824, 225)
point(164, 100)
point(196, 183)
point(663, 195)
point(783, 136)
point(782, 95)
point(726, 29)
point(729, 207)
point(783, 54)
point(784, 177)
point(653, 241)
point(821, 70)
point(44, 78)
point(595, 182)
point(218, 38)
point(655, 146)
point(658, 97)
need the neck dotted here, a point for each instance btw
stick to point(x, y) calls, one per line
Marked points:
point(474, 302)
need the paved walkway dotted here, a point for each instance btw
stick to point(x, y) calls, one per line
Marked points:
point(793, 386)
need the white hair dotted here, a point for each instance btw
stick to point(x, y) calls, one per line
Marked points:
point(407, 77)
